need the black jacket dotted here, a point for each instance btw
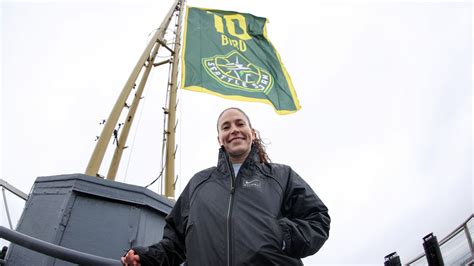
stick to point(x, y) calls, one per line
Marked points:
point(271, 217)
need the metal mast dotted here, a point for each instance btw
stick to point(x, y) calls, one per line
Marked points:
point(171, 129)
point(145, 62)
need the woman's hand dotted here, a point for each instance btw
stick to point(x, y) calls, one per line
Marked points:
point(130, 259)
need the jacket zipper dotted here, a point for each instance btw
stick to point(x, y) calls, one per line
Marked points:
point(229, 210)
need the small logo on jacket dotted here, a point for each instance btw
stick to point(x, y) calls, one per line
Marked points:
point(252, 183)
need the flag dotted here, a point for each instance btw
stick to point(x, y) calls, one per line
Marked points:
point(228, 54)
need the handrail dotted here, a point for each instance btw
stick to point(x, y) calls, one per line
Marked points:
point(446, 238)
point(455, 231)
point(53, 250)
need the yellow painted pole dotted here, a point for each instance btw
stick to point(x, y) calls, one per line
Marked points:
point(171, 128)
point(99, 151)
point(112, 173)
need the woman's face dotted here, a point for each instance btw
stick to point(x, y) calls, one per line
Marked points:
point(235, 134)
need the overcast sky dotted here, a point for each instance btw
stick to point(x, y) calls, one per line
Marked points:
point(384, 135)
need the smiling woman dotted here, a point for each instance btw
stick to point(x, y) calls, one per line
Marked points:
point(386, 90)
point(244, 211)
point(235, 134)
point(241, 120)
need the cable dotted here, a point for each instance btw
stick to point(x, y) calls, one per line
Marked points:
point(165, 139)
point(165, 117)
point(180, 139)
point(134, 138)
point(161, 174)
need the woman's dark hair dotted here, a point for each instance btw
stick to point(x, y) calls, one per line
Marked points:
point(261, 146)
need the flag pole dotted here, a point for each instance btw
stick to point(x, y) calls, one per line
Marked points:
point(172, 105)
point(99, 151)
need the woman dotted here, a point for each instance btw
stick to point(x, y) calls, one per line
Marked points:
point(245, 211)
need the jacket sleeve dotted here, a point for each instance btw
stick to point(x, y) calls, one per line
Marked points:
point(171, 249)
point(305, 222)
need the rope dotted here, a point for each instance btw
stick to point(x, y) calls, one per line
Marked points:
point(165, 118)
point(160, 175)
point(180, 138)
point(139, 120)
point(135, 136)
point(163, 145)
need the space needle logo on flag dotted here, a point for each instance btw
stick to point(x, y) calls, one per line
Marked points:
point(229, 55)
point(235, 71)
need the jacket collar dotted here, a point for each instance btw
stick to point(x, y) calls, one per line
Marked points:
point(252, 159)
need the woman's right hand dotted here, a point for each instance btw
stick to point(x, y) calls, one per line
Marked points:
point(131, 259)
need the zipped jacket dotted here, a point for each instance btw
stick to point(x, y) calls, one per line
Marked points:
point(266, 215)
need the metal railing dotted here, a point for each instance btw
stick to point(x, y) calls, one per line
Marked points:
point(53, 250)
point(457, 248)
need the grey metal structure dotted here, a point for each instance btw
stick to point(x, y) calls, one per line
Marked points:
point(89, 215)
point(12, 189)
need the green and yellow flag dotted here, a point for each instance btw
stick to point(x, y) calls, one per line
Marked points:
point(228, 54)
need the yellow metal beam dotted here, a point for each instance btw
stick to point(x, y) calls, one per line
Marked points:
point(171, 128)
point(112, 173)
point(99, 151)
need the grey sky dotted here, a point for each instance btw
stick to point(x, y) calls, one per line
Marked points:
point(384, 135)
